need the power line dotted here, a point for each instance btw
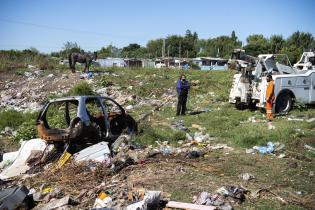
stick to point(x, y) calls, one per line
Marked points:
point(51, 27)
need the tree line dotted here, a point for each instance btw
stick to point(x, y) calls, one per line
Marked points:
point(189, 46)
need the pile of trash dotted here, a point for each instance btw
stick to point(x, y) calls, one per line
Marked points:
point(28, 92)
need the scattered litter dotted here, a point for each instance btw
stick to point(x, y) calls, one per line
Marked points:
point(310, 120)
point(8, 131)
point(309, 148)
point(150, 200)
point(233, 192)
point(121, 142)
point(102, 201)
point(63, 159)
point(50, 75)
point(8, 158)
point(56, 203)
point(250, 151)
point(282, 156)
point(199, 137)
point(196, 126)
point(205, 198)
point(271, 126)
point(246, 176)
point(179, 125)
point(221, 146)
point(190, 206)
point(86, 75)
point(311, 173)
point(129, 107)
point(193, 154)
point(295, 119)
point(279, 147)
point(167, 150)
point(265, 149)
point(189, 137)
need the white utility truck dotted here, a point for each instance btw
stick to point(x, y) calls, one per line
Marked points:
point(307, 61)
point(249, 86)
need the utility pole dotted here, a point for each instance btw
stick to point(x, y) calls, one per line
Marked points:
point(168, 54)
point(179, 49)
point(163, 49)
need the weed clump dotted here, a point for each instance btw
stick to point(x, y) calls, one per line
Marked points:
point(82, 88)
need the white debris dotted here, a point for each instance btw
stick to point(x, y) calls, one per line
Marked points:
point(129, 107)
point(246, 176)
point(97, 152)
point(310, 120)
point(295, 119)
point(19, 166)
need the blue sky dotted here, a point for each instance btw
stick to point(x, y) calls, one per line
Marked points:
point(46, 24)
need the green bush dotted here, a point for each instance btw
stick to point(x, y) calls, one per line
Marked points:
point(14, 119)
point(82, 88)
point(10, 118)
point(105, 82)
point(26, 131)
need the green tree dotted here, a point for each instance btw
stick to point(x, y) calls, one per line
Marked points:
point(276, 43)
point(175, 45)
point(105, 52)
point(154, 48)
point(134, 51)
point(296, 44)
point(257, 44)
point(69, 47)
point(221, 46)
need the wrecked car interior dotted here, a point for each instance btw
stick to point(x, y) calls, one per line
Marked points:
point(83, 120)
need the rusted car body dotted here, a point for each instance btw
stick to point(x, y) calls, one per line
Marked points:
point(83, 119)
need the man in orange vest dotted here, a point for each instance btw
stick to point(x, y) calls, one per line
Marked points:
point(270, 97)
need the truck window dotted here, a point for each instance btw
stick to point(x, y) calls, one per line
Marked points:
point(312, 60)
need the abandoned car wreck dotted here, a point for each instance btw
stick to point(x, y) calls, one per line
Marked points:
point(83, 120)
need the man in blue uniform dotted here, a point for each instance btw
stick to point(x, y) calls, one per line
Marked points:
point(182, 87)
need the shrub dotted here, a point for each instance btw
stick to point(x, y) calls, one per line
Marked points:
point(10, 118)
point(82, 88)
point(26, 131)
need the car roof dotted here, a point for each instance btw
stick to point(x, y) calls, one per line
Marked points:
point(78, 98)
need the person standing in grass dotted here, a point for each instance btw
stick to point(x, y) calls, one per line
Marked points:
point(182, 87)
point(270, 97)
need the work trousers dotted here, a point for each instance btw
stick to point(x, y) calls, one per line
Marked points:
point(181, 105)
point(269, 110)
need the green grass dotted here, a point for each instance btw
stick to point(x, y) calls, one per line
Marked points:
point(14, 119)
point(209, 90)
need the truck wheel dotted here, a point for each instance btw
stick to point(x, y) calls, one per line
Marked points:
point(252, 106)
point(284, 103)
point(239, 105)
